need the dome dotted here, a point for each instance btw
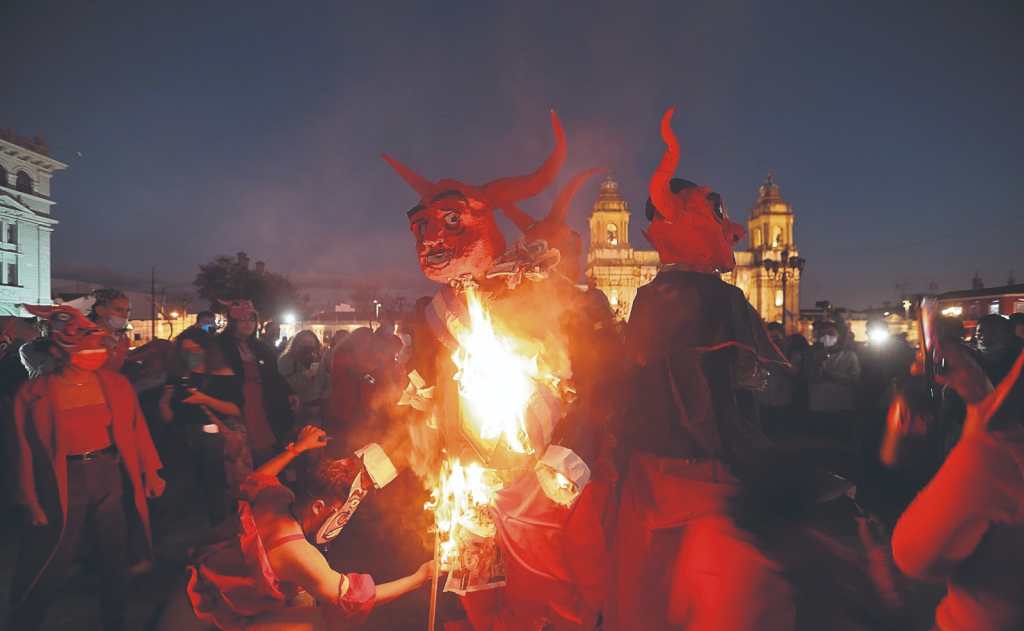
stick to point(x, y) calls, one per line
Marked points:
point(769, 199)
point(609, 197)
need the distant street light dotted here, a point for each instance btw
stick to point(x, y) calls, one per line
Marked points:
point(785, 265)
point(290, 318)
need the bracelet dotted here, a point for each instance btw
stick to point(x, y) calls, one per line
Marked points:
point(292, 450)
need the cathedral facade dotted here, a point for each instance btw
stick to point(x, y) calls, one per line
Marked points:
point(618, 270)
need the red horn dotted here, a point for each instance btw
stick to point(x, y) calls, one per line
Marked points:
point(661, 194)
point(508, 190)
point(560, 208)
point(420, 184)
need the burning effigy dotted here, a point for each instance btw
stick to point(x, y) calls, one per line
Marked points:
point(492, 384)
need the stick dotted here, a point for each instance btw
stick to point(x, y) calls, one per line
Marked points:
point(433, 582)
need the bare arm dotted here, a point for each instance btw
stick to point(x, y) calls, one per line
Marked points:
point(301, 563)
point(310, 437)
point(947, 520)
point(226, 408)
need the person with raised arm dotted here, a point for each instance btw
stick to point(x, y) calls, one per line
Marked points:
point(271, 575)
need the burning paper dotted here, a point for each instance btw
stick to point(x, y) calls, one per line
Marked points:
point(507, 407)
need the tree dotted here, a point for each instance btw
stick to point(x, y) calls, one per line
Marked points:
point(227, 278)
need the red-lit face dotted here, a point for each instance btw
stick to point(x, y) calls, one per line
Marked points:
point(701, 236)
point(456, 236)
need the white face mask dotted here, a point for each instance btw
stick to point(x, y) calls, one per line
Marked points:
point(116, 323)
point(829, 340)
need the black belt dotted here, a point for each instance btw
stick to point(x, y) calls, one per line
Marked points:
point(93, 455)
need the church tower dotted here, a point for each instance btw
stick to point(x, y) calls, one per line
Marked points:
point(770, 235)
point(613, 266)
point(609, 221)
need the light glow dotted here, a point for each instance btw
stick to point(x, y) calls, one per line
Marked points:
point(290, 318)
point(953, 312)
point(495, 382)
point(878, 335)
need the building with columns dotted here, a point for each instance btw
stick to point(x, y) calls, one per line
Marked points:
point(614, 267)
point(26, 224)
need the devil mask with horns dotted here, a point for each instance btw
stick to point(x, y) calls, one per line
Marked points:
point(689, 225)
point(68, 331)
point(456, 233)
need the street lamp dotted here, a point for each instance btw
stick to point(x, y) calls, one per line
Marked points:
point(784, 266)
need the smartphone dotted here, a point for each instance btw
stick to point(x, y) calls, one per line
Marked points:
point(928, 315)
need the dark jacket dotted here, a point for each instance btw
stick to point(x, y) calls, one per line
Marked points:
point(275, 389)
point(693, 337)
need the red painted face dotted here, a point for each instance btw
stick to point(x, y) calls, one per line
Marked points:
point(689, 224)
point(456, 236)
point(69, 328)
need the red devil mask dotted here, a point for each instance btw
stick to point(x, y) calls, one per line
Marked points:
point(553, 228)
point(68, 328)
point(454, 225)
point(689, 225)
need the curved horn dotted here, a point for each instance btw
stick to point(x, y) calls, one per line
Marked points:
point(508, 190)
point(661, 194)
point(518, 216)
point(560, 208)
point(420, 184)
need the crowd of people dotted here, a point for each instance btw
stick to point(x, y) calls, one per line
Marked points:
point(691, 468)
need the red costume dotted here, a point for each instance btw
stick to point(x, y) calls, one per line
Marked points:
point(967, 525)
point(680, 559)
point(64, 488)
point(554, 553)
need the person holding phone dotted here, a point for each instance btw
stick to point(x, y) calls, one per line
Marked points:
point(203, 400)
point(967, 525)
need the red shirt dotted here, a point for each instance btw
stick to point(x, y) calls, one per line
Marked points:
point(82, 415)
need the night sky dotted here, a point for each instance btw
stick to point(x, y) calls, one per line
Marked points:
point(194, 129)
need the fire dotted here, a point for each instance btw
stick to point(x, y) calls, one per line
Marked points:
point(461, 503)
point(497, 378)
point(495, 381)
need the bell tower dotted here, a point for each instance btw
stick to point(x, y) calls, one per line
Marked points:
point(609, 220)
point(776, 284)
point(613, 266)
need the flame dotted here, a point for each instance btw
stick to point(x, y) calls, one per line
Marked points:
point(461, 503)
point(495, 381)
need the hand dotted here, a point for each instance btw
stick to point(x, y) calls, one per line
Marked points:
point(37, 516)
point(196, 397)
point(426, 571)
point(310, 437)
point(153, 484)
point(963, 374)
point(294, 403)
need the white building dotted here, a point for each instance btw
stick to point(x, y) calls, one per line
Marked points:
point(25, 222)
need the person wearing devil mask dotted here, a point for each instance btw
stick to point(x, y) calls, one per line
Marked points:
point(82, 446)
point(270, 575)
point(698, 351)
point(552, 546)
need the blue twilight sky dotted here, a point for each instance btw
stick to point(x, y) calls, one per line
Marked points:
point(199, 128)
